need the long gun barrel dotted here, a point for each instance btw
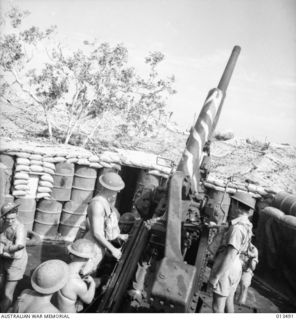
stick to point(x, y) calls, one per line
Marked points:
point(206, 124)
point(182, 280)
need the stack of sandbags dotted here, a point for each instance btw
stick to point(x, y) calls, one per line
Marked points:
point(45, 186)
point(81, 159)
point(94, 162)
point(46, 180)
point(21, 176)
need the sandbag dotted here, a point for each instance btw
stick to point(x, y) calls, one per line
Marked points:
point(21, 187)
point(21, 167)
point(45, 184)
point(59, 159)
point(23, 155)
point(83, 162)
point(21, 175)
point(72, 160)
point(24, 161)
point(36, 157)
point(36, 168)
point(49, 159)
point(95, 165)
point(44, 190)
point(19, 181)
point(49, 165)
point(93, 159)
point(17, 193)
point(43, 195)
point(48, 170)
point(47, 177)
point(36, 162)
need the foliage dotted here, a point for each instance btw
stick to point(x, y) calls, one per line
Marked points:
point(87, 83)
point(16, 52)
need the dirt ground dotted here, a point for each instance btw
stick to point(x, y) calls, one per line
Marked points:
point(240, 159)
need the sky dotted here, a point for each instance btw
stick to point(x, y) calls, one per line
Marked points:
point(197, 37)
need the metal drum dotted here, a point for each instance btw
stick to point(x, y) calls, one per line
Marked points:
point(2, 184)
point(85, 177)
point(285, 202)
point(62, 182)
point(8, 161)
point(84, 184)
point(26, 211)
point(47, 218)
point(72, 217)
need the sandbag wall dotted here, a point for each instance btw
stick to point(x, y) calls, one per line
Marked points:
point(53, 192)
point(54, 188)
point(275, 237)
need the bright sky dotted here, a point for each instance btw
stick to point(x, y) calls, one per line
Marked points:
point(197, 37)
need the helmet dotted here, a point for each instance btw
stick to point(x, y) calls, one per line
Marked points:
point(7, 208)
point(244, 198)
point(50, 276)
point(127, 218)
point(82, 248)
point(111, 181)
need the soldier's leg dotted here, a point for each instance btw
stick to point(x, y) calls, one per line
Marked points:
point(245, 284)
point(229, 306)
point(8, 295)
point(219, 302)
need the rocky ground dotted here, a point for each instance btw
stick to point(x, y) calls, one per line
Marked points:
point(240, 159)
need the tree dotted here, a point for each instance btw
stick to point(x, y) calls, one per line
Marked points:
point(16, 53)
point(87, 83)
point(147, 108)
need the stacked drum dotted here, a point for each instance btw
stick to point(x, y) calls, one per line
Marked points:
point(47, 218)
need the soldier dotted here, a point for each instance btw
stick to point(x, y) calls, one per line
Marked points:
point(77, 289)
point(103, 220)
point(49, 277)
point(227, 268)
point(13, 254)
point(249, 262)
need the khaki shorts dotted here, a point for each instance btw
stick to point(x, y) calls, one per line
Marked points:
point(229, 281)
point(14, 269)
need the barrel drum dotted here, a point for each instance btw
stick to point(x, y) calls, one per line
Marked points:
point(47, 218)
point(73, 216)
point(26, 211)
point(2, 185)
point(84, 184)
point(8, 161)
point(62, 182)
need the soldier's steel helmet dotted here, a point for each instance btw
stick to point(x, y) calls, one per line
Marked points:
point(82, 248)
point(8, 207)
point(111, 181)
point(50, 276)
point(245, 199)
point(127, 218)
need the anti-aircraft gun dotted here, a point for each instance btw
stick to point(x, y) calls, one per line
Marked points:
point(163, 262)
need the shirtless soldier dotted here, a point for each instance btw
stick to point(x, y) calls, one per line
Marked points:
point(103, 218)
point(77, 289)
point(49, 277)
